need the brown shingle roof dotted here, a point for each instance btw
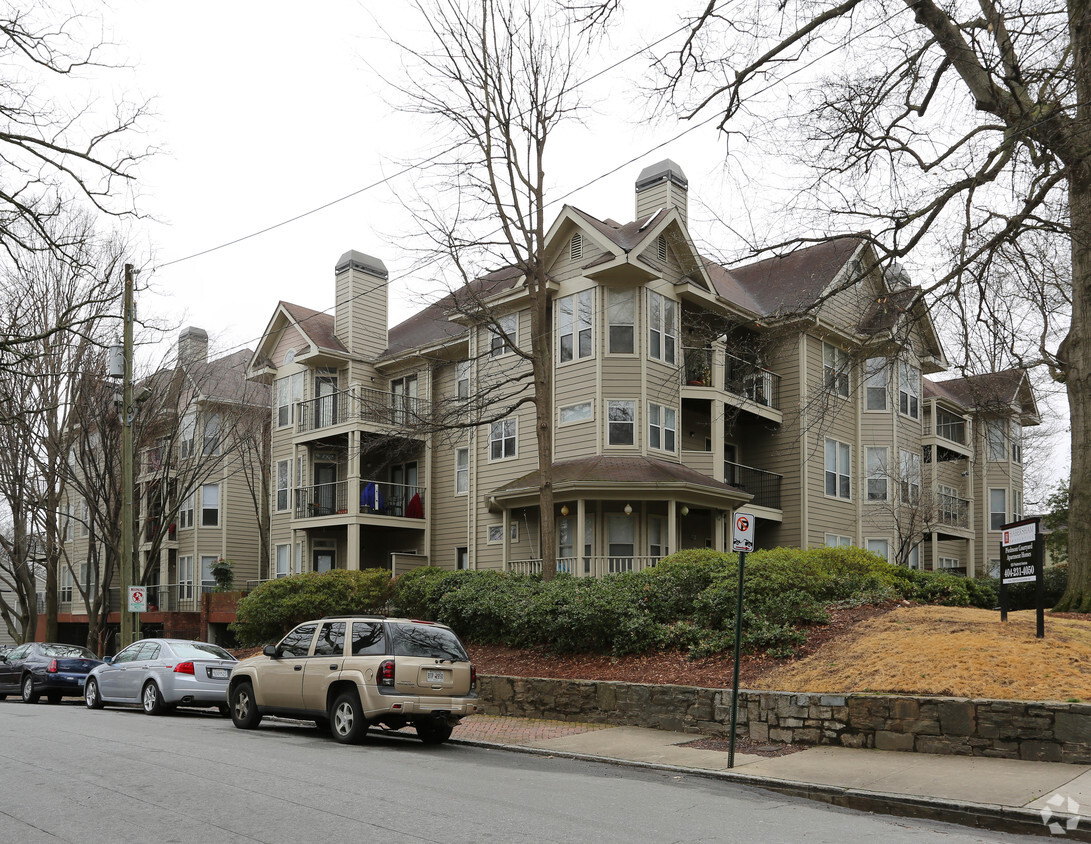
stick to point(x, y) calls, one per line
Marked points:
point(627, 236)
point(317, 325)
point(991, 389)
point(888, 309)
point(619, 471)
point(792, 283)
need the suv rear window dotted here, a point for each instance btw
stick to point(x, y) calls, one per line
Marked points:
point(426, 641)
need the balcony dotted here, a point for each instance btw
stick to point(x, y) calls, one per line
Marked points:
point(950, 436)
point(362, 404)
point(953, 511)
point(763, 485)
point(754, 387)
point(379, 498)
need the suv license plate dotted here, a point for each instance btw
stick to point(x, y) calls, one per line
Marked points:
point(434, 676)
point(218, 673)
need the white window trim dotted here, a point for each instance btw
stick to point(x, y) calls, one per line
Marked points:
point(287, 560)
point(503, 437)
point(1004, 512)
point(218, 508)
point(839, 470)
point(590, 404)
point(574, 329)
point(907, 375)
point(633, 300)
point(632, 424)
point(463, 472)
point(879, 473)
point(835, 374)
point(283, 483)
point(870, 373)
point(494, 534)
point(462, 376)
point(186, 507)
point(664, 329)
point(662, 427)
point(506, 346)
point(885, 540)
point(838, 541)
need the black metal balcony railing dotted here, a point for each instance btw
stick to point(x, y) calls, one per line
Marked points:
point(952, 511)
point(763, 485)
point(741, 377)
point(381, 498)
point(364, 405)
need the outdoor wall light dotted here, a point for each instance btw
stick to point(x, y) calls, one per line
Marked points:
point(628, 509)
point(564, 509)
point(685, 510)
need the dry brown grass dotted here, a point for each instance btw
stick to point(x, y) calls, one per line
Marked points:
point(949, 651)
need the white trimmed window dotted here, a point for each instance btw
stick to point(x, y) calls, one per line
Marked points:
point(185, 576)
point(208, 582)
point(835, 369)
point(994, 434)
point(621, 321)
point(66, 584)
point(1016, 505)
point(834, 540)
point(662, 327)
point(284, 485)
point(621, 422)
point(210, 505)
point(496, 534)
point(880, 547)
point(462, 471)
point(998, 508)
point(909, 390)
point(462, 379)
point(911, 476)
point(88, 577)
point(83, 523)
point(211, 435)
point(575, 317)
point(502, 439)
point(289, 390)
point(948, 563)
point(1016, 441)
point(876, 473)
point(576, 412)
point(838, 469)
point(504, 336)
point(284, 560)
point(185, 512)
point(187, 433)
point(876, 379)
point(913, 561)
point(67, 527)
point(662, 427)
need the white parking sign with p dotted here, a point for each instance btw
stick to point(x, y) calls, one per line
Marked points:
point(742, 536)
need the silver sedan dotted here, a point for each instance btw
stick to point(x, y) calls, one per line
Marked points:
point(160, 674)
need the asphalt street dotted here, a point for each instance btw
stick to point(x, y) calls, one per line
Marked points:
point(70, 774)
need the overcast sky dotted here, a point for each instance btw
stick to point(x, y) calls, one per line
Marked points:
point(268, 110)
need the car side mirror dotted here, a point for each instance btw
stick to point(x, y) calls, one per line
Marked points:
point(271, 650)
point(109, 660)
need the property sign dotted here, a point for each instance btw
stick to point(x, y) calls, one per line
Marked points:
point(138, 599)
point(742, 536)
point(1020, 555)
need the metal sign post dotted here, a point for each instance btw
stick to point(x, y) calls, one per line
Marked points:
point(742, 541)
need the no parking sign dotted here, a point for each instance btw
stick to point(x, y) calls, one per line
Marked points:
point(742, 536)
point(138, 599)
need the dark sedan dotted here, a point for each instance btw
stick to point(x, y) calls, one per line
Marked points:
point(45, 668)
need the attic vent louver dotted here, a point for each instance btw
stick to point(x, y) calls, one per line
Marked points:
point(577, 246)
point(661, 243)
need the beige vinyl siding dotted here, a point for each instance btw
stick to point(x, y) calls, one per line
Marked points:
point(290, 340)
point(565, 268)
point(449, 512)
point(845, 308)
point(830, 416)
point(361, 316)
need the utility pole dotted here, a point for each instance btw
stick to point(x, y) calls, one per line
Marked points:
point(128, 413)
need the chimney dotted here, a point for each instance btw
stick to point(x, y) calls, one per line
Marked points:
point(192, 346)
point(662, 185)
point(360, 316)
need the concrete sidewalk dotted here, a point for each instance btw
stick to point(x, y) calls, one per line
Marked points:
point(999, 794)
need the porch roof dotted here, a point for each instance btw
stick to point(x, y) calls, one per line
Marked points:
point(633, 476)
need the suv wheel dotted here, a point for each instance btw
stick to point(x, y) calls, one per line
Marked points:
point(347, 721)
point(244, 712)
point(433, 731)
point(29, 695)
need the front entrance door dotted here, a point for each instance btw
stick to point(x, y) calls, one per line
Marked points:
point(325, 488)
point(324, 559)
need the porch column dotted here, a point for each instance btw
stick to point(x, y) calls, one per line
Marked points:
point(935, 549)
point(352, 488)
point(578, 541)
point(672, 526)
point(506, 546)
point(719, 521)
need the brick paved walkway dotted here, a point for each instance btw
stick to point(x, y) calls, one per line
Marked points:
point(503, 730)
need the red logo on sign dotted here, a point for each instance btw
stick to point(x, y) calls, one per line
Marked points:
point(742, 523)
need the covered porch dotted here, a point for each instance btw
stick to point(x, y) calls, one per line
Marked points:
point(613, 514)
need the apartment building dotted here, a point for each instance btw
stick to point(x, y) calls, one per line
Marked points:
point(201, 493)
point(793, 388)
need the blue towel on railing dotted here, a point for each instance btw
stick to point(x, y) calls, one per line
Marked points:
point(371, 496)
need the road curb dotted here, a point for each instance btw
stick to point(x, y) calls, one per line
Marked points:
point(995, 818)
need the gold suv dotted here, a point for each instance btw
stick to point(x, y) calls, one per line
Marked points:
point(347, 673)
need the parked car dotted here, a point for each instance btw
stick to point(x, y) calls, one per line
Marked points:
point(347, 673)
point(160, 674)
point(48, 668)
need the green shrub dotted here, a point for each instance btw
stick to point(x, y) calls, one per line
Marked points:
point(1021, 596)
point(278, 605)
point(411, 593)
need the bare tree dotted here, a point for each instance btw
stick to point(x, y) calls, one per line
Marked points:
point(958, 131)
point(497, 83)
point(58, 154)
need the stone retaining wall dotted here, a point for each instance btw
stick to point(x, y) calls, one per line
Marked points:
point(1046, 731)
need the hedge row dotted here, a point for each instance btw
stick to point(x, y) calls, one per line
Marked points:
point(687, 601)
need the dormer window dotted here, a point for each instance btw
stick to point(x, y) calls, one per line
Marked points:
point(577, 246)
point(661, 245)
